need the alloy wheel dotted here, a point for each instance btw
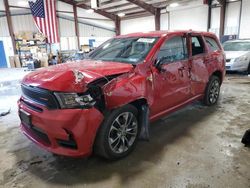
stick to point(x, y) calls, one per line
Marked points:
point(123, 132)
point(214, 92)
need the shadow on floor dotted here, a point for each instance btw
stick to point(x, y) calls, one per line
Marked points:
point(70, 171)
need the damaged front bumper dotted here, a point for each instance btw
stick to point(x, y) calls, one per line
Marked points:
point(69, 132)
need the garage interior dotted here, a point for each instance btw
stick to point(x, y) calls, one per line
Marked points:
point(195, 147)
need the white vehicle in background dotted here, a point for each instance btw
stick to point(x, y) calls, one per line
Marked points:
point(237, 55)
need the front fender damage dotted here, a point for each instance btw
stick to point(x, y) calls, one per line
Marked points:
point(118, 90)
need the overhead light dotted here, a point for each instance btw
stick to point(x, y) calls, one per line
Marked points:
point(121, 14)
point(94, 4)
point(90, 11)
point(23, 3)
point(174, 5)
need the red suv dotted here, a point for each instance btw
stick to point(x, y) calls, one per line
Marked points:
point(105, 102)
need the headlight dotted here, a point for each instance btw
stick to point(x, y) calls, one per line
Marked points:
point(241, 58)
point(74, 100)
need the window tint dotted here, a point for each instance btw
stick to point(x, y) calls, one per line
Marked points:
point(197, 46)
point(212, 44)
point(174, 49)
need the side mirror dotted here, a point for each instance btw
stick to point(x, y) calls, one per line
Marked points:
point(159, 62)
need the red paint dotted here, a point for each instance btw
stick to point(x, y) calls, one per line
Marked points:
point(179, 84)
point(61, 77)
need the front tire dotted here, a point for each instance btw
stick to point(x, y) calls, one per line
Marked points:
point(212, 91)
point(248, 69)
point(118, 133)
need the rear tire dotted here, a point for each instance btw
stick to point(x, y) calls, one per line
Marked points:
point(212, 91)
point(118, 133)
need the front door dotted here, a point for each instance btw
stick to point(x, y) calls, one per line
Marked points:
point(172, 81)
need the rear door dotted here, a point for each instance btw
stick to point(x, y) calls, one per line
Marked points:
point(198, 69)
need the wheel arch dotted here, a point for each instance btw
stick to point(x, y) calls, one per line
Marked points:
point(139, 102)
point(219, 74)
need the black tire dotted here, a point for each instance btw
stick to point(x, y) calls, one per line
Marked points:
point(248, 69)
point(212, 91)
point(112, 137)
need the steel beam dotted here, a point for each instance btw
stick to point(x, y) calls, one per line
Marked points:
point(10, 26)
point(143, 5)
point(150, 8)
point(222, 16)
point(158, 19)
point(76, 25)
point(209, 3)
point(117, 25)
point(98, 11)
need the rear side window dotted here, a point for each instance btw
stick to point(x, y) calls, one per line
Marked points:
point(197, 45)
point(174, 49)
point(212, 44)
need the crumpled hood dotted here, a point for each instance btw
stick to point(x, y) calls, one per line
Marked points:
point(73, 76)
point(235, 54)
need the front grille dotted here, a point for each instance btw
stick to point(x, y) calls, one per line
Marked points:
point(71, 144)
point(40, 134)
point(31, 106)
point(40, 96)
point(228, 60)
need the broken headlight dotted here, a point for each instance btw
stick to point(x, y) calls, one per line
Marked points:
point(74, 100)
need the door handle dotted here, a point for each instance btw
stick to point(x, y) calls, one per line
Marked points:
point(180, 70)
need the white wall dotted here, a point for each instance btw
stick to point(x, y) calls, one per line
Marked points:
point(188, 16)
point(91, 31)
point(23, 23)
point(164, 21)
point(194, 17)
point(102, 21)
point(66, 28)
point(4, 31)
point(232, 18)
point(2, 5)
point(245, 20)
point(98, 40)
point(138, 25)
point(215, 21)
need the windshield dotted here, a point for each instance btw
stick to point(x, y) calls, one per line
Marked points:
point(236, 46)
point(128, 50)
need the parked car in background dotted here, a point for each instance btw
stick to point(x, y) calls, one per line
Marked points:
point(237, 55)
point(106, 101)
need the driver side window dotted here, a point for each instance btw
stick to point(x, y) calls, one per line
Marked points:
point(174, 49)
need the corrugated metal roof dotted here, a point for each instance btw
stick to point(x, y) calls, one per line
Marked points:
point(123, 6)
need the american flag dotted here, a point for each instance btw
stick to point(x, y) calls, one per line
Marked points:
point(44, 14)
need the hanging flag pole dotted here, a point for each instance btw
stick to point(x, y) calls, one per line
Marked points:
point(44, 15)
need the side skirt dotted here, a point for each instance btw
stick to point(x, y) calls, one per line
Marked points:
point(174, 108)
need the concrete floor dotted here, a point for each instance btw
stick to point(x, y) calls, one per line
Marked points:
point(196, 147)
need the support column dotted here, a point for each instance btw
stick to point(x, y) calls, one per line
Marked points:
point(117, 25)
point(209, 14)
point(9, 21)
point(76, 26)
point(158, 19)
point(222, 17)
